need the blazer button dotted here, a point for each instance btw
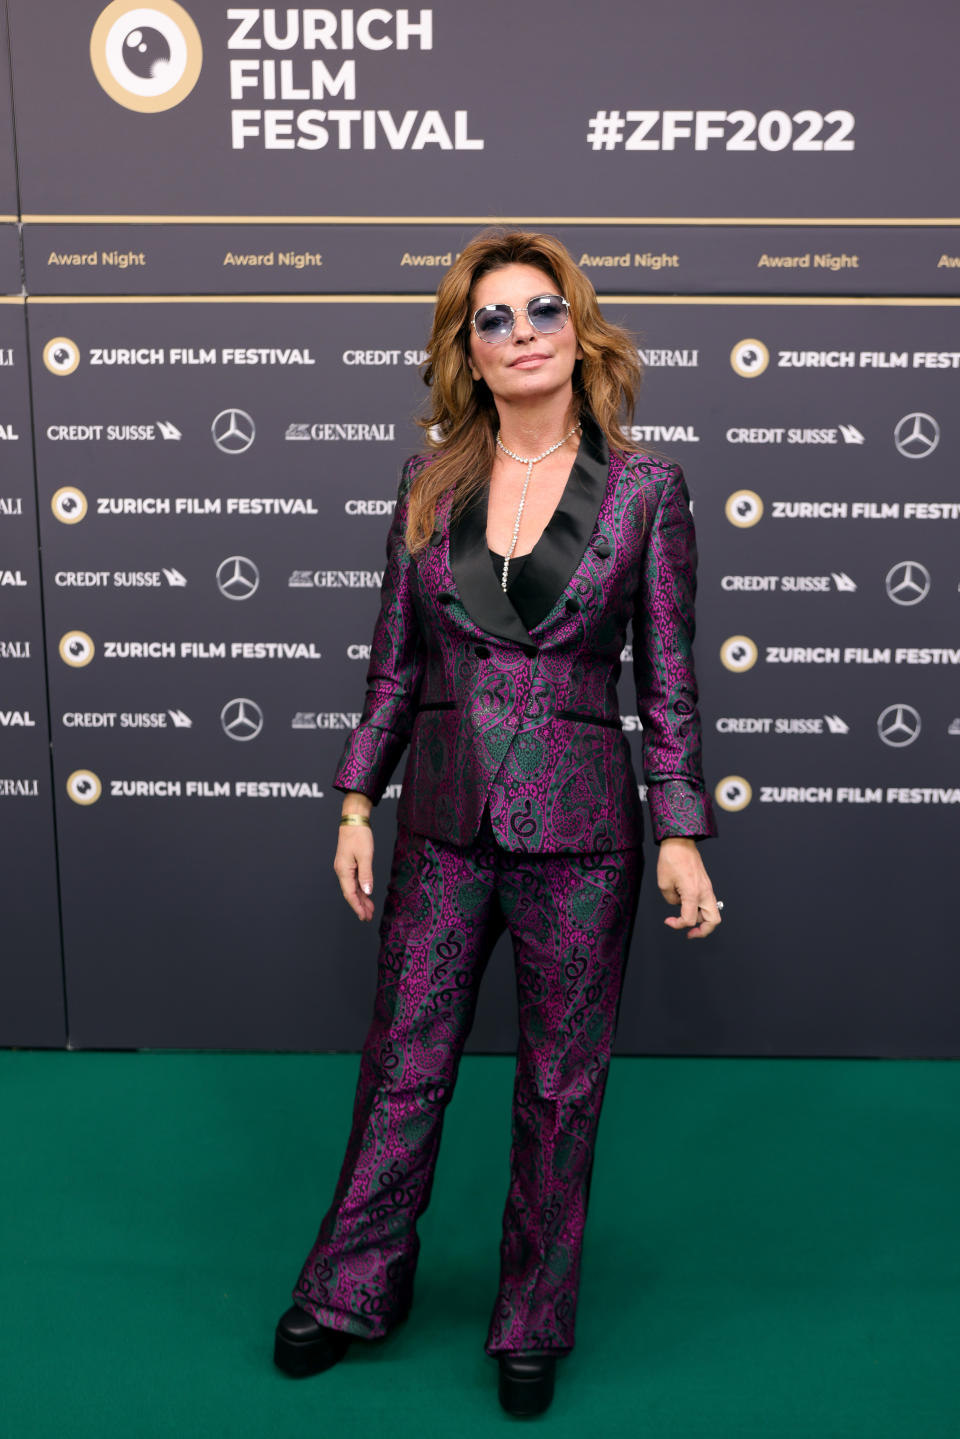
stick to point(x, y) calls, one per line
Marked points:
point(445, 598)
point(602, 548)
point(437, 537)
point(571, 606)
point(481, 652)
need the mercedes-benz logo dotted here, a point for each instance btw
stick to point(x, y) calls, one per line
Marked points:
point(237, 577)
point(908, 583)
point(233, 431)
point(898, 725)
point(241, 719)
point(917, 435)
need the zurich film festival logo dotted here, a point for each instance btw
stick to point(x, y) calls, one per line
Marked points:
point(739, 654)
point(84, 787)
point(76, 649)
point(744, 508)
point(69, 505)
point(61, 355)
point(146, 57)
point(733, 793)
point(749, 358)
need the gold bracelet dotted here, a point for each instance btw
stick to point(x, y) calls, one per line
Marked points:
point(355, 819)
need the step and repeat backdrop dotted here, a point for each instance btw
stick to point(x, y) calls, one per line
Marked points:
point(220, 232)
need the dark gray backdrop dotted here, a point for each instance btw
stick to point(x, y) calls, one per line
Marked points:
point(818, 438)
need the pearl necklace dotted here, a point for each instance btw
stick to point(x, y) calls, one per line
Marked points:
point(524, 460)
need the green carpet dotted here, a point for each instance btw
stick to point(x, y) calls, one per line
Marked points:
point(772, 1252)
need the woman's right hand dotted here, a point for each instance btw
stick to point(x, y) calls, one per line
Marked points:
point(354, 861)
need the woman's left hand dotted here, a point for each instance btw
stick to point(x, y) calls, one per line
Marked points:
point(682, 879)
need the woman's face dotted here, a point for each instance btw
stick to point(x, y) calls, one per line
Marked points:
point(527, 365)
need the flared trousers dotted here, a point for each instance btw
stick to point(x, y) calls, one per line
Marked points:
point(570, 917)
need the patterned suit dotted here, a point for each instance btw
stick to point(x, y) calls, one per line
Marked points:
point(519, 810)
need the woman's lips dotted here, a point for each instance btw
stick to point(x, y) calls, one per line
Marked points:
point(528, 361)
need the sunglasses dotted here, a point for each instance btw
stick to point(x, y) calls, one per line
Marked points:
point(546, 313)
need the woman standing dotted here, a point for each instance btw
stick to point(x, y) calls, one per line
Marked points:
point(521, 548)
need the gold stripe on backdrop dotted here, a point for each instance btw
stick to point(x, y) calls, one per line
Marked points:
point(802, 220)
point(429, 299)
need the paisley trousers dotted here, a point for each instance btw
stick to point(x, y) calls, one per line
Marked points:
point(570, 917)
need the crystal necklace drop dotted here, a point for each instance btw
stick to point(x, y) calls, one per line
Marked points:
point(524, 460)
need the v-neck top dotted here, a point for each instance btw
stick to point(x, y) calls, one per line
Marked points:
point(516, 565)
point(528, 603)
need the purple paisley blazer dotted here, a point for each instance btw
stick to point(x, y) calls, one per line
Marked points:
point(527, 720)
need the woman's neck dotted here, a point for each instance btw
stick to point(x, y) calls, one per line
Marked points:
point(531, 429)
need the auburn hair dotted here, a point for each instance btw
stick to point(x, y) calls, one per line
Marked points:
point(461, 418)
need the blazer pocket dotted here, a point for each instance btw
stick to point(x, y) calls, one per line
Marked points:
point(590, 719)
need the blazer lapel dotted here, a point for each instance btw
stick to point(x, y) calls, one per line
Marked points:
point(484, 600)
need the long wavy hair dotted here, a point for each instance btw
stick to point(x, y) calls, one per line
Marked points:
point(461, 419)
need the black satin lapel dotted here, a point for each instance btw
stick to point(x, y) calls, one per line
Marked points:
point(556, 555)
point(482, 596)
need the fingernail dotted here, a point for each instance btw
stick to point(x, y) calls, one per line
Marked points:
point(368, 889)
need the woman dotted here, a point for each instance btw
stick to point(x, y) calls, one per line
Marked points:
point(520, 549)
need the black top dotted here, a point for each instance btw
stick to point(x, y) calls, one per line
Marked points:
point(515, 566)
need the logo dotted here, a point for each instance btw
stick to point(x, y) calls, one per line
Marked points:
point(744, 508)
point(61, 356)
point(908, 583)
point(237, 577)
point(898, 725)
point(916, 436)
point(954, 726)
point(69, 505)
point(749, 358)
point(233, 431)
point(84, 787)
point(146, 57)
point(77, 649)
point(335, 579)
point(174, 578)
point(180, 720)
point(733, 793)
point(333, 430)
point(851, 435)
point(241, 719)
point(738, 653)
point(304, 719)
point(168, 430)
point(843, 581)
point(836, 725)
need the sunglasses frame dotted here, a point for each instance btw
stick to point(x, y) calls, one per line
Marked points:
point(524, 310)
